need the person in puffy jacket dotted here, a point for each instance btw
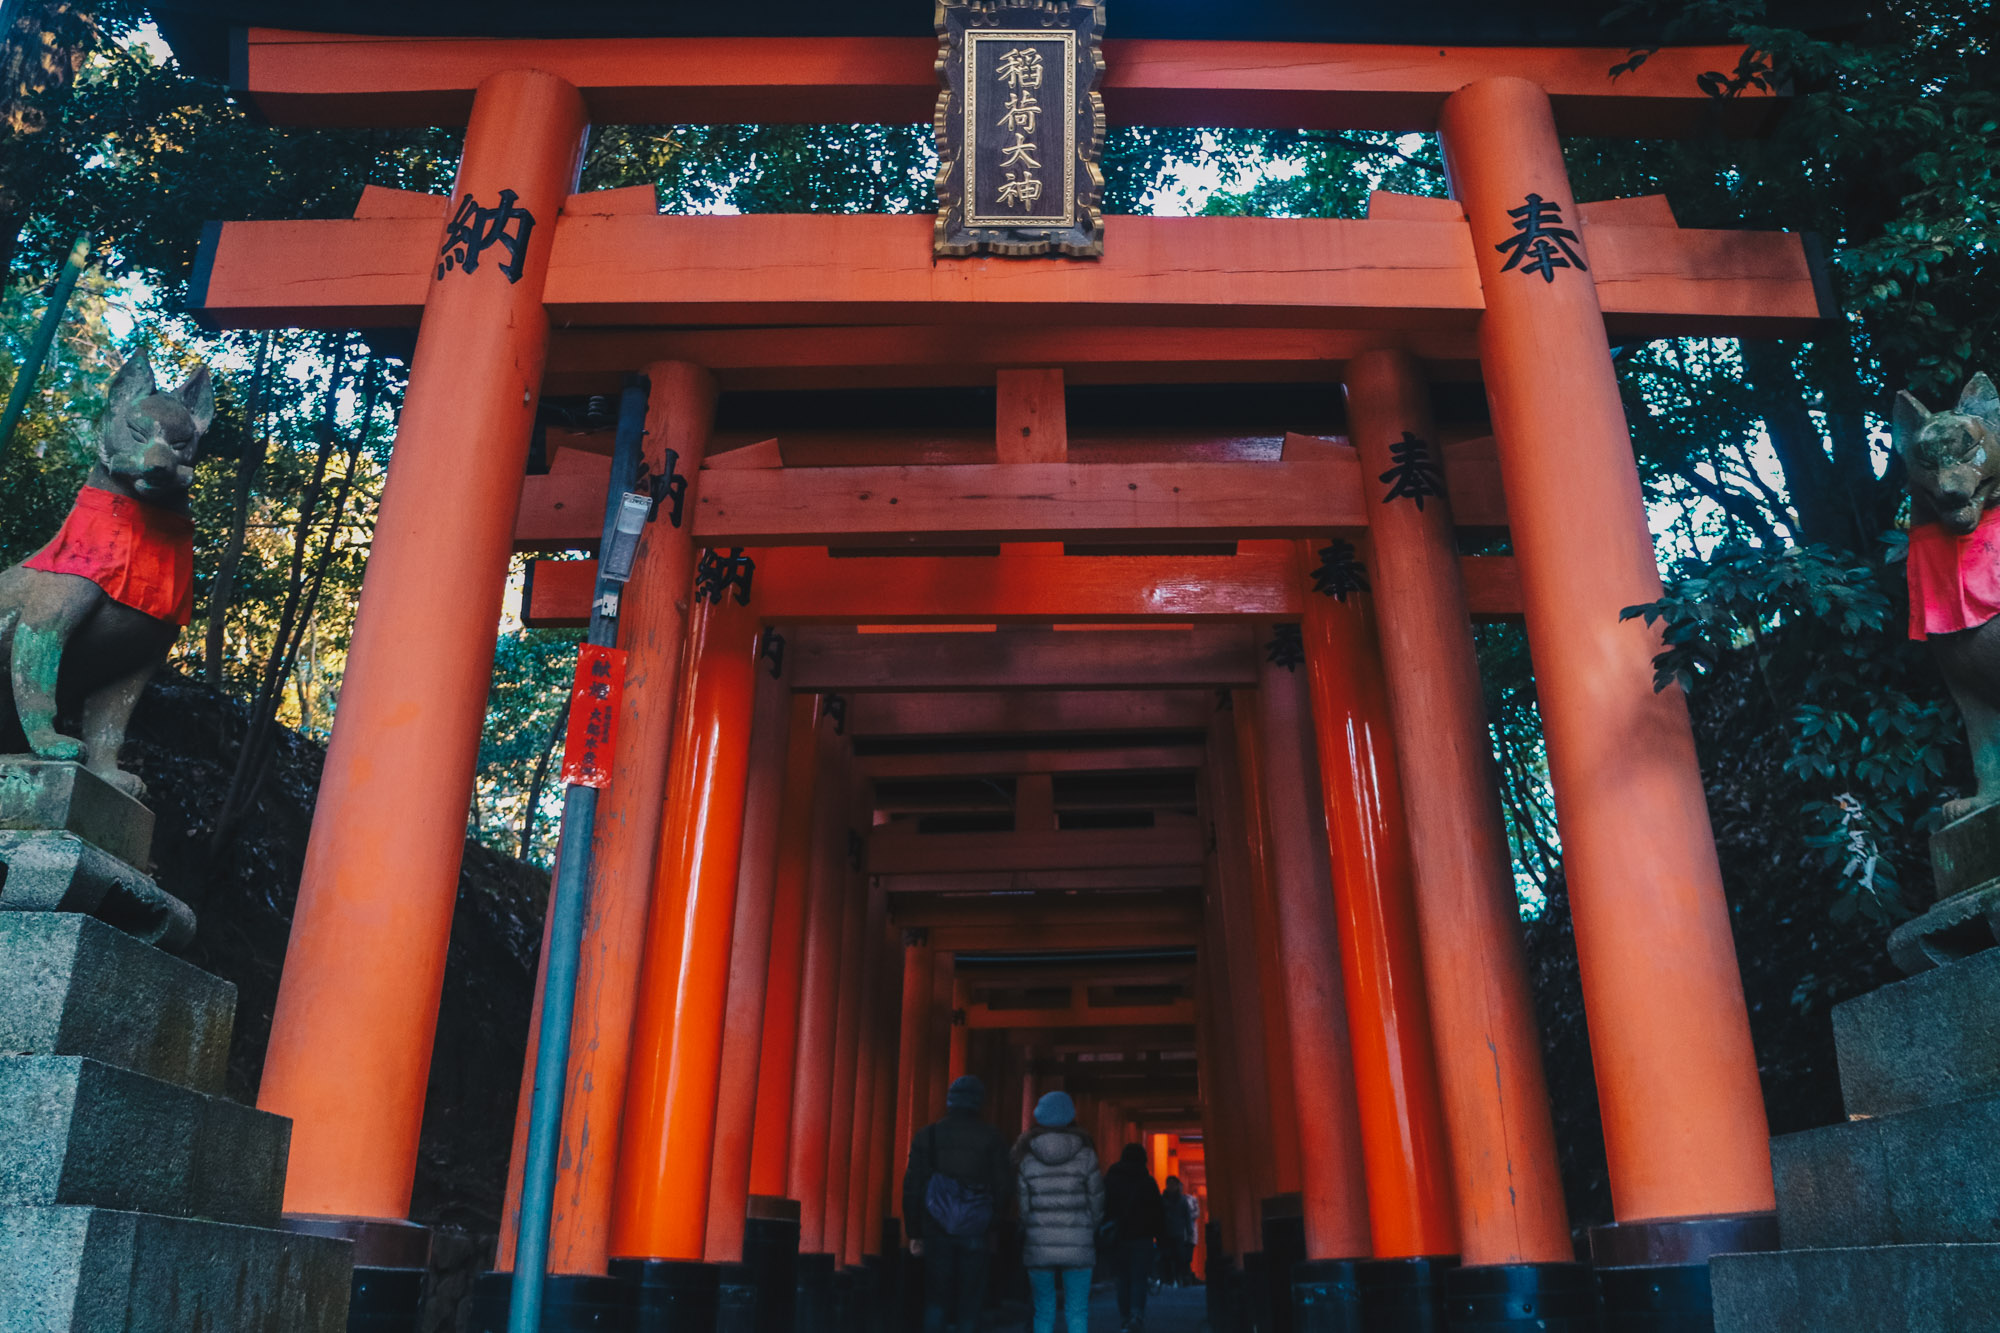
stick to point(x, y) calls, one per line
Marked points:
point(1062, 1201)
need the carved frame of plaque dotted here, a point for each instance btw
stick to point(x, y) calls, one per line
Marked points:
point(1002, 66)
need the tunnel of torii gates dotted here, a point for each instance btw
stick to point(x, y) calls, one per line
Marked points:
point(1016, 696)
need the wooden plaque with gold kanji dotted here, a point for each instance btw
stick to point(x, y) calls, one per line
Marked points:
point(1020, 128)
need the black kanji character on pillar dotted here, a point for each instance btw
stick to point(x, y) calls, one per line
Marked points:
point(1541, 244)
point(836, 708)
point(716, 573)
point(772, 650)
point(1414, 474)
point(1339, 572)
point(669, 485)
point(1287, 647)
point(474, 230)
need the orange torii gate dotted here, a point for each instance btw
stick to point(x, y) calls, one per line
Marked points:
point(1434, 1090)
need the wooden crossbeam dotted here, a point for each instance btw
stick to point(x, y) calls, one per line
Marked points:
point(1013, 763)
point(624, 268)
point(1020, 933)
point(801, 585)
point(1314, 491)
point(900, 853)
point(1043, 881)
point(1175, 1014)
point(977, 713)
point(593, 360)
point(314, 79)
point(839, 661)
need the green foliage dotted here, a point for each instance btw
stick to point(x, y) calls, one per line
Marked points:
point(1856, 707)
point(531, 673)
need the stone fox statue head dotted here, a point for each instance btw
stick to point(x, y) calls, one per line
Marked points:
point(1953, 457)
point(86, 620)
point(146, 440)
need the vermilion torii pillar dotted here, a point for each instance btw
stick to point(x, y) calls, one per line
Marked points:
point(1684, 1126)
point(1333, 1184)
point(913, 1064)
point(750, 955)
point(1496, 1104)
point(1410, 1209)
point(667, 1142)
point(680, 409)
point(819, 992)
point(811, 749)
point(357, 1008)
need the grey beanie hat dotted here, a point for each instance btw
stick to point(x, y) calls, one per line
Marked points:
point(966, 1093)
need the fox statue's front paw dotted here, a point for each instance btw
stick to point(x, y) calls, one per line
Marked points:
point(55, 745)
point(128, 783)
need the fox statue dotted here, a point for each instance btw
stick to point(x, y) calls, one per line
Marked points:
point(1953, 460)
point(85, 621)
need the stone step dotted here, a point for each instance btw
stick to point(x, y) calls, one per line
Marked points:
point(1930, 1176)
point(62, 796)
point(71, 985)
point(94, 1270)
point(78, 1132)
point(1921, 1042)
point(1887, 1289)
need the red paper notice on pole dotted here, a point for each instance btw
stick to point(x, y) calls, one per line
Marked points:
point(593, 716)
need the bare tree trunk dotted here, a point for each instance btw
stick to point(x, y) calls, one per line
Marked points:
point(223, 591)
point(541, 778)
point(301, 597)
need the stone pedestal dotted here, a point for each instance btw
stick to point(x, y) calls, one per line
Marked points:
point(1965, 862)
point(1892, 1220)
point(71, 842)
point(134, 1197)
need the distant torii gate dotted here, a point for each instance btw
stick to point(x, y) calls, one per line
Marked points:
point(1454, 1131)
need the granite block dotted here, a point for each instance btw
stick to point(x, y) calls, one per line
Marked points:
point(61, 872)
point(1966, 852)
point(71, 985)
point(1922, 1177)
point(76, 1132)
point(92, 1270)
point(63, 796)
point(1933, 1038)
point(1886, 1289)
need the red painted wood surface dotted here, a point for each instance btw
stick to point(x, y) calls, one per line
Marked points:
point(750, 958)
point(666, 1146)
point(806, 585)
point(812, 750)
point(617, 268)
point(1495, 1099)
point(356, 1011)
point(1410, 1206)
point(314, 79)
point(1684, 1126)
point(653, 626)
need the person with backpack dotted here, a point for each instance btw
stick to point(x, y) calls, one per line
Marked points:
point(957, 1181)
point(1062, 1201)
point(1134, 1217)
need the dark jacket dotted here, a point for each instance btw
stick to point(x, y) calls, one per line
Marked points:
point(1062, 1198)
point(963, 1147)
point(1132, 1200)
point(1178, 1225)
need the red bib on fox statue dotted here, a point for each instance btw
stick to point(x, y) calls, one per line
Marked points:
point(140, 554)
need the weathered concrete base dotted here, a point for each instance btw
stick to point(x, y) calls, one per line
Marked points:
point(1957, 928)
point(1929, 1176)
point(92, 1270)
point(73, 1131)
point(55, 871)
point(71, 985)
point(64, 796)
point(1885, 1289)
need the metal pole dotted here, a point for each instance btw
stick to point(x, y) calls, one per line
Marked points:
point(570, 903)
point(45, 337)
